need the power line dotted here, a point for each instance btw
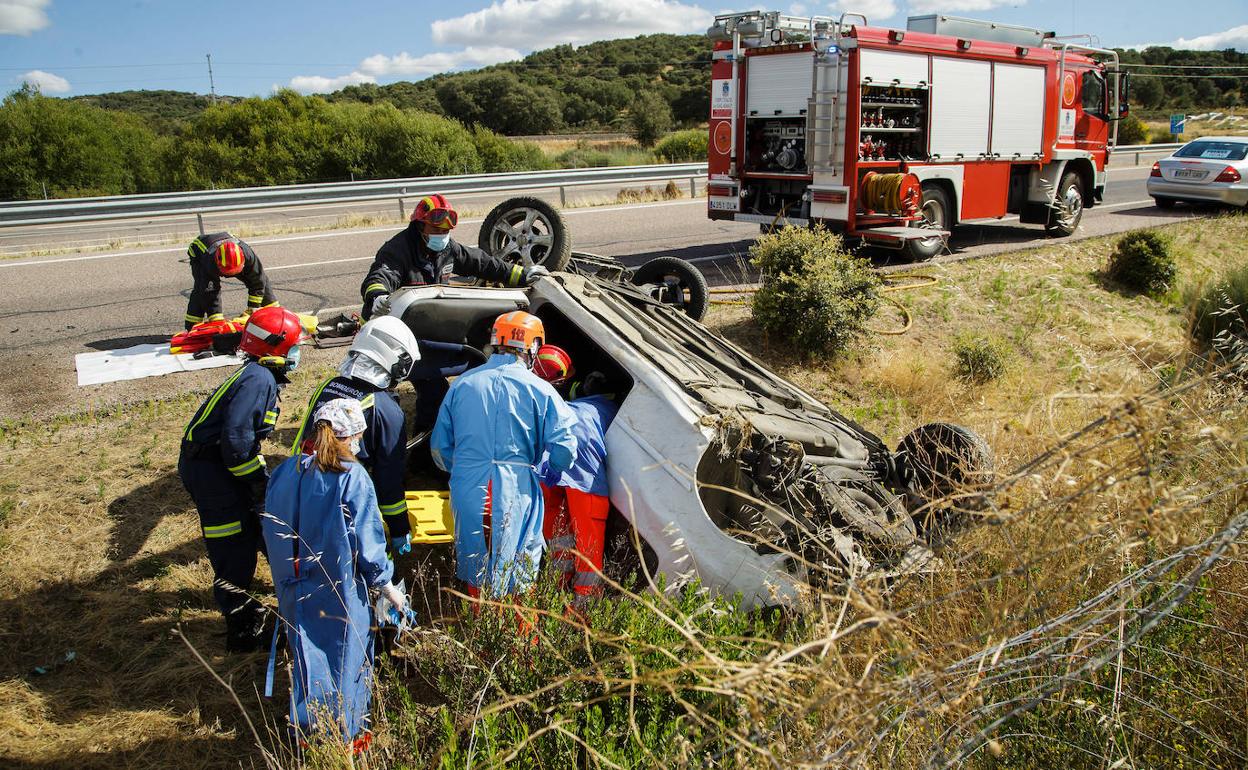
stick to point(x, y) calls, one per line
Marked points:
point(1187, 66)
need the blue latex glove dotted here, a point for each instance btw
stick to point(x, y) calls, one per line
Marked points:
point(401, 545)
point(405, 620)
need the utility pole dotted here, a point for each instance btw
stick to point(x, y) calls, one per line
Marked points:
point(212, 86)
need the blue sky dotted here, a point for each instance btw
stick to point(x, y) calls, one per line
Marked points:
point(78, 46)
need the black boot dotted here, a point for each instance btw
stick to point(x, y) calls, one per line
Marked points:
point(244, 630)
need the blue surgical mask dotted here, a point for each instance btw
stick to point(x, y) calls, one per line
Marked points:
point(437, 242)
point(292, 359)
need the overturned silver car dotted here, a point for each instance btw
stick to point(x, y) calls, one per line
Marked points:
point(719, 469)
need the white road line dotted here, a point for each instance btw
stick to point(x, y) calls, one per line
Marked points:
point(335, 234)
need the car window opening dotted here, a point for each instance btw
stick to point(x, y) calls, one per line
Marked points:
point(586, 355)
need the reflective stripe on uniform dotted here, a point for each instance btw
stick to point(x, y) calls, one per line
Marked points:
point(194, 318)
point(255, 299)
point(369, 289)
point(587, 579)
point(224, 530)
point(212, 402)
point(251, 466)
point(516, 272)
point(200, 244)
point(394, 509)
point(296, 445)
point(274, 303)
point(270, 418)
point(367, 402)
point(216, 317)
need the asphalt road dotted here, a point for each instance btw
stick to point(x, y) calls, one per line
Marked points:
point(56, 306)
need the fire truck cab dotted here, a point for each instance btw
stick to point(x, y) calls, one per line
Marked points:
point(894, 136)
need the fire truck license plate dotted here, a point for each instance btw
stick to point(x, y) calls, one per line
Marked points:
point(1190, 173)
point(727, 204)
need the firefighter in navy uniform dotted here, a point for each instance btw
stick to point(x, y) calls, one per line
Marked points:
point(223, 470)
point(218, 255)
point(380, 357)
point(424, 254)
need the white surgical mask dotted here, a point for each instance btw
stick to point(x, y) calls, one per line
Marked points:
point(355, 446)
point(437, 242)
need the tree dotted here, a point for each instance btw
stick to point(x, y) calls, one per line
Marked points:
point(501, 102)
point(650, 118)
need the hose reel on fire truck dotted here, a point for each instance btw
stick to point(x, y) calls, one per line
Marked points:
point(898, 194)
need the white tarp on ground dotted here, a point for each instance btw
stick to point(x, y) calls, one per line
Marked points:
point(139, 361)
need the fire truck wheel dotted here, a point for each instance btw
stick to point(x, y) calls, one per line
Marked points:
point(1067, 211)
point(935, 211)
point(529, 231)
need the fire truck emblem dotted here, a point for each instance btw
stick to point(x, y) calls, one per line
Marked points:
point(1068, 89)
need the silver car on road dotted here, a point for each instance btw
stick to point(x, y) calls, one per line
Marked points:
point(1209, 170)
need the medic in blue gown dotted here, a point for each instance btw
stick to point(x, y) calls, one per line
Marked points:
point(326, 549)
point(492, 429)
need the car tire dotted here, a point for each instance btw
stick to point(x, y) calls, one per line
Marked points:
point(1164, 203)
point(685, 286)
point(941, 460)
point(529, 231)
point(867, 510)
point(1066, 212)
point(937, 214)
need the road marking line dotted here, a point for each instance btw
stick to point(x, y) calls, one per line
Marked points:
point(334, 234)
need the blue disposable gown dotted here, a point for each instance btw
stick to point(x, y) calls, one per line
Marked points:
point(494, 425)
point(326, 549)
point(589, 470)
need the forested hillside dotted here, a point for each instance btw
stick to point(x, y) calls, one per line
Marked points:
point(1185, 80)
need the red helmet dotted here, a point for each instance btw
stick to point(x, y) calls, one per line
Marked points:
point(229, 257)
point(271, 331)
point(435, 211)
point(553, 364)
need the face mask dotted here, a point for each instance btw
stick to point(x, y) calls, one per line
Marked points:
point(292, 359)
point(355, 446)
point(437, 242)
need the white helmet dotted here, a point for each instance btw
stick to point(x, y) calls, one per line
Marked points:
point(382, 352)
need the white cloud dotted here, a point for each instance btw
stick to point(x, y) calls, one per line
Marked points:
point(876, 11)
point(21, 17)
point(532, 24)
point(405, 65)
point(1235, 37)
point(424, 65)
point(46, 82)
point(316, 84)
point(958, 6)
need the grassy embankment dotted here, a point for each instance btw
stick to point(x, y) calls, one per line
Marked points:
point(101, 556)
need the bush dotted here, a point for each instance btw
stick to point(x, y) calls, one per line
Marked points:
point(979, 359)
point(1218, 315)
point(1142, 261)
point(650, 117)
point(683, 146)
point(500, 154)
point(1131, 130)
point(815, 295)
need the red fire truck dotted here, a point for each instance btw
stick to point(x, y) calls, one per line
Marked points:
point(894, 136)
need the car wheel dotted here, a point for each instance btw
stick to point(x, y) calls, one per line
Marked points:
point(1067, 209)
point(937, 215)
point(529, 231)
point(675, 282)
point(945, 465)
point(866, 510)
point(1164, 203)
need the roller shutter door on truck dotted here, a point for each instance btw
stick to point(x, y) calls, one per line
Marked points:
point(961, 105)
point(1017, 111)
point(778, 84)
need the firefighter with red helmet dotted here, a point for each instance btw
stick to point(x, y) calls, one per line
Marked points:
point(219, 255)
point(576, 499)
point(223, 470)
point(425, 253)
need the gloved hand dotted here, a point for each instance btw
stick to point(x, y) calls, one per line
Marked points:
point(381, 305)
point(401, 545)
point(400, 613)
point(530, 274)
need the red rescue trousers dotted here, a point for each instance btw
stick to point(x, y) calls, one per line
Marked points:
point(576, 520)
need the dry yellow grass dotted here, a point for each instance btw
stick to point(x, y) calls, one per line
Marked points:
point(100, 551)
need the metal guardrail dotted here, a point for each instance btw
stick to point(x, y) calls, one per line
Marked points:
point(200, 202)
point(1145, 149)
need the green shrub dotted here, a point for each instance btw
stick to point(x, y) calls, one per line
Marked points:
point(498, 153)
point(1131, 130)
point(650, 117)
point(1142, 261)
point(1218, 315)
point(683, 146)
point(815, 295)
point(979, 359)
